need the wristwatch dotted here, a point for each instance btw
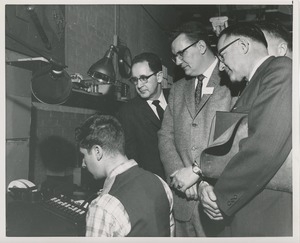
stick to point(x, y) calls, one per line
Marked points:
point(196, 169)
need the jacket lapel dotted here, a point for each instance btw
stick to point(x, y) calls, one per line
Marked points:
point(252, 83)
point(149, 114)
point(189, 91)
point(166, 93)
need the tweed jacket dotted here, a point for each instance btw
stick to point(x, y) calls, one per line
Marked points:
point(184, 132)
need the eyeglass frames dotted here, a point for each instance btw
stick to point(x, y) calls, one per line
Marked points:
point(219, 55)
point(142, 78)
point(179, 54)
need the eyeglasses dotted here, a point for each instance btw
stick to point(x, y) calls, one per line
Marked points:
point(142, 78)
point(219, 55)
point(179, 54)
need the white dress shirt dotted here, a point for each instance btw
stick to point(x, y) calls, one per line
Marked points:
point(257, 66)
point(208, 72)
point(162, 103)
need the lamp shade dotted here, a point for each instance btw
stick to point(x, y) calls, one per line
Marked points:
point(103, 70)
point(51, 86)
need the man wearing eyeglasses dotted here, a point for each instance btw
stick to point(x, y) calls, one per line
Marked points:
point(193, 102)
point(141, 117)
point(241, 195)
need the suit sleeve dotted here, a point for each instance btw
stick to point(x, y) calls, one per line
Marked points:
point(166, 141)
point(125, 117)
point(268, 143)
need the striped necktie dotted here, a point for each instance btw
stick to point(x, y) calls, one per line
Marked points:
point(198, 91)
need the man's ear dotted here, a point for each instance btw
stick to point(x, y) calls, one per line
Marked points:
point(98, 152)
point(160, 76)
point(244, 44)
point(282, 49)
point(201, 45)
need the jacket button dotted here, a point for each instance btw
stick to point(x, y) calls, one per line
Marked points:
point(229, 203)
point(235, 196)
point(194, 124)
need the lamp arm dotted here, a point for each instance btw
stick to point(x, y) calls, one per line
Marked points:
point(50, 59)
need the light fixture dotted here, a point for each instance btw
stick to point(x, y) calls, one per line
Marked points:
point(103, 70)
point(219, 23)
point(50, 83)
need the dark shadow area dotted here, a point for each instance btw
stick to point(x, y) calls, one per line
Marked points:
point(236, 88)
point(178, 73)
point(57, 154)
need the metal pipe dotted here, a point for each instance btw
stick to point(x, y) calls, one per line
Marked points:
point(39, 26)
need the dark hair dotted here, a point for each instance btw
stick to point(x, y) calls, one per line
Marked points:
point(193, 30)
point(153, 60)
point(103, 130)
point(278, 31)
point(247, 30)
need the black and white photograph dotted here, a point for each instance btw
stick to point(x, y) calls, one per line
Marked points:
point(173, 120)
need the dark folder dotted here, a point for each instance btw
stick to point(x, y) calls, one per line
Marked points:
point(227, 130)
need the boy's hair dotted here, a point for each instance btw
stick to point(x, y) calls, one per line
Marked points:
point(103, 130)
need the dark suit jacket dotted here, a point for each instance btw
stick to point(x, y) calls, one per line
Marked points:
point(141, 125)
point(240, 191)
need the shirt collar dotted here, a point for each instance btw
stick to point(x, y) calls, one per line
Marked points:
point(257, 66)
point(109, 181)
point(210, 69)
point(162, 100)
point(122, 167)
point(208, 72)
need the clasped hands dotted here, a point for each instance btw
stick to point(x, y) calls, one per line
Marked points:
point(185, 179)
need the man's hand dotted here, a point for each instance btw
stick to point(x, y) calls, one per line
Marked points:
point(191, 192)
point(208, 199)
point(183, 179)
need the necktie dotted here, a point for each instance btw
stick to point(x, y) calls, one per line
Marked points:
point(159, 110)
point(198, 91)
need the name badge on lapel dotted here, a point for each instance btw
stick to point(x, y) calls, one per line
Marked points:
point(207, 90)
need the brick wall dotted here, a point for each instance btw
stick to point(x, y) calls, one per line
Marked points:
point(89, 33)
point(18, 118)
point(54, 151)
